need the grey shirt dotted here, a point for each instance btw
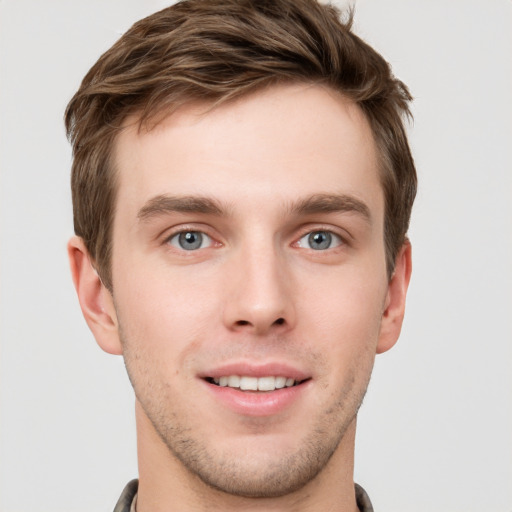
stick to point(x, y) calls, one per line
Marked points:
point(128, 498)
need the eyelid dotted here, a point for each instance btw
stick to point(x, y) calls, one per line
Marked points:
point(344, 236)
point(336, 239)
point(174, 231)
point(174, 240)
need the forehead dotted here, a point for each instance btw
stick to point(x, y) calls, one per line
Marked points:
point(277, 144)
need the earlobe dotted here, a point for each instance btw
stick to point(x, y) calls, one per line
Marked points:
point(394, 311)
point(95, 300)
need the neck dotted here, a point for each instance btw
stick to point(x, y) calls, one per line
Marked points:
point(165, 485)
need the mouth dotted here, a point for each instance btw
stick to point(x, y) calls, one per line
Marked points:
point(249, 383)
point(252, 390)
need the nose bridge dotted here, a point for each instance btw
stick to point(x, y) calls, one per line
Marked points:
point(259, 296)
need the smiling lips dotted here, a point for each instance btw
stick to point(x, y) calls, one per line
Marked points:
point(257, 389)
point(247, 383)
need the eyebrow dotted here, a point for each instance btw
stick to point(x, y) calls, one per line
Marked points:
point(318, 203)
point(163, 204)
point(331, 203)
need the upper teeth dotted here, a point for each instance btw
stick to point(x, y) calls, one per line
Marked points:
point(255, 383)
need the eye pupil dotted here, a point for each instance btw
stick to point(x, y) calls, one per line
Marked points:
point(190, 240)
point(320, 240)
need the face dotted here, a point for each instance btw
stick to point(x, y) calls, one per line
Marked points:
point(249, 283)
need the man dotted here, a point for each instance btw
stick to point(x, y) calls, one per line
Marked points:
point(242, 187)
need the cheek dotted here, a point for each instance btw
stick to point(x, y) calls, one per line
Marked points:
point(347, 317)
point(163, 312)
point(161, 287)
point(160, 332)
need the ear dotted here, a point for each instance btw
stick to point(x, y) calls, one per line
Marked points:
point(394, 307)
point(95, 300)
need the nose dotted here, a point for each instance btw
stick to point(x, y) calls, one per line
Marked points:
point(259, 297)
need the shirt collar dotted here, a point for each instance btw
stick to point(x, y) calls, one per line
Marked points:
point(128, 500)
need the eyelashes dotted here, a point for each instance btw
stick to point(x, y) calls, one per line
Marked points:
point(191, 240)
point(320, 240)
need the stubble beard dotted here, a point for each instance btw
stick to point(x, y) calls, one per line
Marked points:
point(237, 474)
point(268, 477)
point(243, 476)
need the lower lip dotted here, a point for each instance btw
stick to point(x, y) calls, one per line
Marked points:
point(254, 403)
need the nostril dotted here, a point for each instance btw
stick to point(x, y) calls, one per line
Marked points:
point(279, 321)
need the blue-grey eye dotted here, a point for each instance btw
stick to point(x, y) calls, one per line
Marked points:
point(190, 240)
point(320, 240)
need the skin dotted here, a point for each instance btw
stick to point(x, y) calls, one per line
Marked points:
point(255, 292)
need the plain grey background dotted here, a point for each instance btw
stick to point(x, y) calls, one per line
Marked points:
point(435, 432)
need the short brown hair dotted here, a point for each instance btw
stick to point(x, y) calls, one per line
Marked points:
point(215, 51)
